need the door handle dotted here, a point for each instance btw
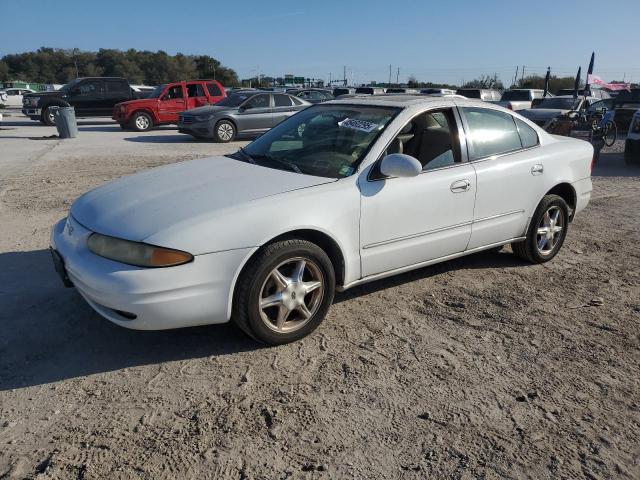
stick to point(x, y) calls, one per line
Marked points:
point(460, 186)
point(537, 169)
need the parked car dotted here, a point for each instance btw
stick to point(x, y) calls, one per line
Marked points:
point(166, 102)
point(370, 91)
point(632, 143)
point(342, 193)
point(343, 91)
point(626, 103)
point(311, 95)
point(90, 97)
point(520, 98)
point(553, 107)
point(594, 92)
point(12, 97)
point(240, 114)
point(401, 90)
point(439, 91)
point(485, 94)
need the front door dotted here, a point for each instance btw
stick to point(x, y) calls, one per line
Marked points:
point(510, 174)
point(171, 103)
point(255, 114)
point(407, 221)
point(88, 98)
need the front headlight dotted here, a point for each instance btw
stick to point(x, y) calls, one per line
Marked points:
point(204, 118)
point(136, 253)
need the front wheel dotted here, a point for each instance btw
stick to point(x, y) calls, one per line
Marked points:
point(547, 231)
point(48, 118)
point(610, 134)
point(285, 292)
point(224, 131)
point(141, 122)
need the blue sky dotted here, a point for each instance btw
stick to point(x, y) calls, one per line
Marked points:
point(434, 41)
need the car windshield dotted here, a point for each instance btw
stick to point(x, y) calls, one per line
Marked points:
point(68, 86)
point(516, 95)
point(324, 140)
point(157, 91)
point(233, 100)
point(559, 103)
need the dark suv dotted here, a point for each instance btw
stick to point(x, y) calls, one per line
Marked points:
point(90, 97)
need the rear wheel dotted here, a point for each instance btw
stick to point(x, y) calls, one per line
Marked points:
point(547, 231)
point(285, 292)
point(610, 133)
point(224, 132)
point(141, 122)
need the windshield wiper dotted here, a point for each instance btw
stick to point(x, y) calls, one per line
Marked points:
point(291, 166)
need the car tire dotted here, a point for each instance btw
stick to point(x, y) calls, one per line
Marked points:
point(141, 122)
point(224, 131)
point(284, 293)
point(632, 152)
point(48, 118)
point(547, 231)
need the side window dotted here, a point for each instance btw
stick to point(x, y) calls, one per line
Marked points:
point(296, 101)
point(90, 88)
point(528, 136)
point(173, 92)
point(213, 89)
point(258, 101)
point(491, 132)
point(116, 88)
point(195, 90)
point(431, 137)
point(281, 100)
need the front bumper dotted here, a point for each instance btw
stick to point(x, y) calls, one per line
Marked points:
point(31, 112)
point(191, 127)
point(196, 293)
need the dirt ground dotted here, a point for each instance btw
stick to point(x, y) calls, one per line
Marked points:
point(482, 367)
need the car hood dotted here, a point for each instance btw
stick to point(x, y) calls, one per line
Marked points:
point(141, 205)
point(55, 93)
point(141, 102)
point(541, 113)
point(208, 109)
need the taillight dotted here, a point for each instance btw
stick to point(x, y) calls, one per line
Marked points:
point(509, 106)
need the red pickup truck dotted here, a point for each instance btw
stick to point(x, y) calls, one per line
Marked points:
point(166, 102)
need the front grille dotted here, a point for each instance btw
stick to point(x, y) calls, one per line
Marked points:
point(185, 119)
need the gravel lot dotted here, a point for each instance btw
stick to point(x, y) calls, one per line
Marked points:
point(482, 367)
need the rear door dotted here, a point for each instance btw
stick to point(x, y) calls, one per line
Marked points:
point(196, 96)
point(215, 92)
point(172, 102)
point(115, 91)
point(283, 108)
point(509, 167)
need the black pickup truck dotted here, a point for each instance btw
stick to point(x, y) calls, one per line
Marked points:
point(90, 96)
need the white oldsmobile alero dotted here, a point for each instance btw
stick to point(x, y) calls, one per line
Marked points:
point(342, 193)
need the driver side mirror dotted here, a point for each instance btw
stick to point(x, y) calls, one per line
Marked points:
point(400, 165)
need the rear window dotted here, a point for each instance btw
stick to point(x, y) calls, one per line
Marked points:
point(214, 90)
point(557, 103)
point(469, 93)
point(281, 100)
point(368, 91)
point(116, 86)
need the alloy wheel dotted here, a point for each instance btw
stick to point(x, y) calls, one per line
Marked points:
point(291, 294)
point(142, 122)
point(550, 230)
point(225, 132)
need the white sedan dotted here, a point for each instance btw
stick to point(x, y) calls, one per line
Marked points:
point(342, 193)
point(12, 97)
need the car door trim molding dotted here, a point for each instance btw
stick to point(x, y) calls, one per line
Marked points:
point(416, 235)
point(407, 268)
point(438, 230)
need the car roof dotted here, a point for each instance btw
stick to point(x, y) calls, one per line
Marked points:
point(402, 100)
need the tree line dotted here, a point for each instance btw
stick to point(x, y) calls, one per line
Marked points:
point(56, 65)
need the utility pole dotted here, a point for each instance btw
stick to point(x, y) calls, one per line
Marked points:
point(389, 84)
point(522, 77)
point(398, 76)
point(515, 78)
point(344, 75)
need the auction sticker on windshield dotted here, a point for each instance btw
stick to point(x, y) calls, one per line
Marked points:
point(361, 125)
